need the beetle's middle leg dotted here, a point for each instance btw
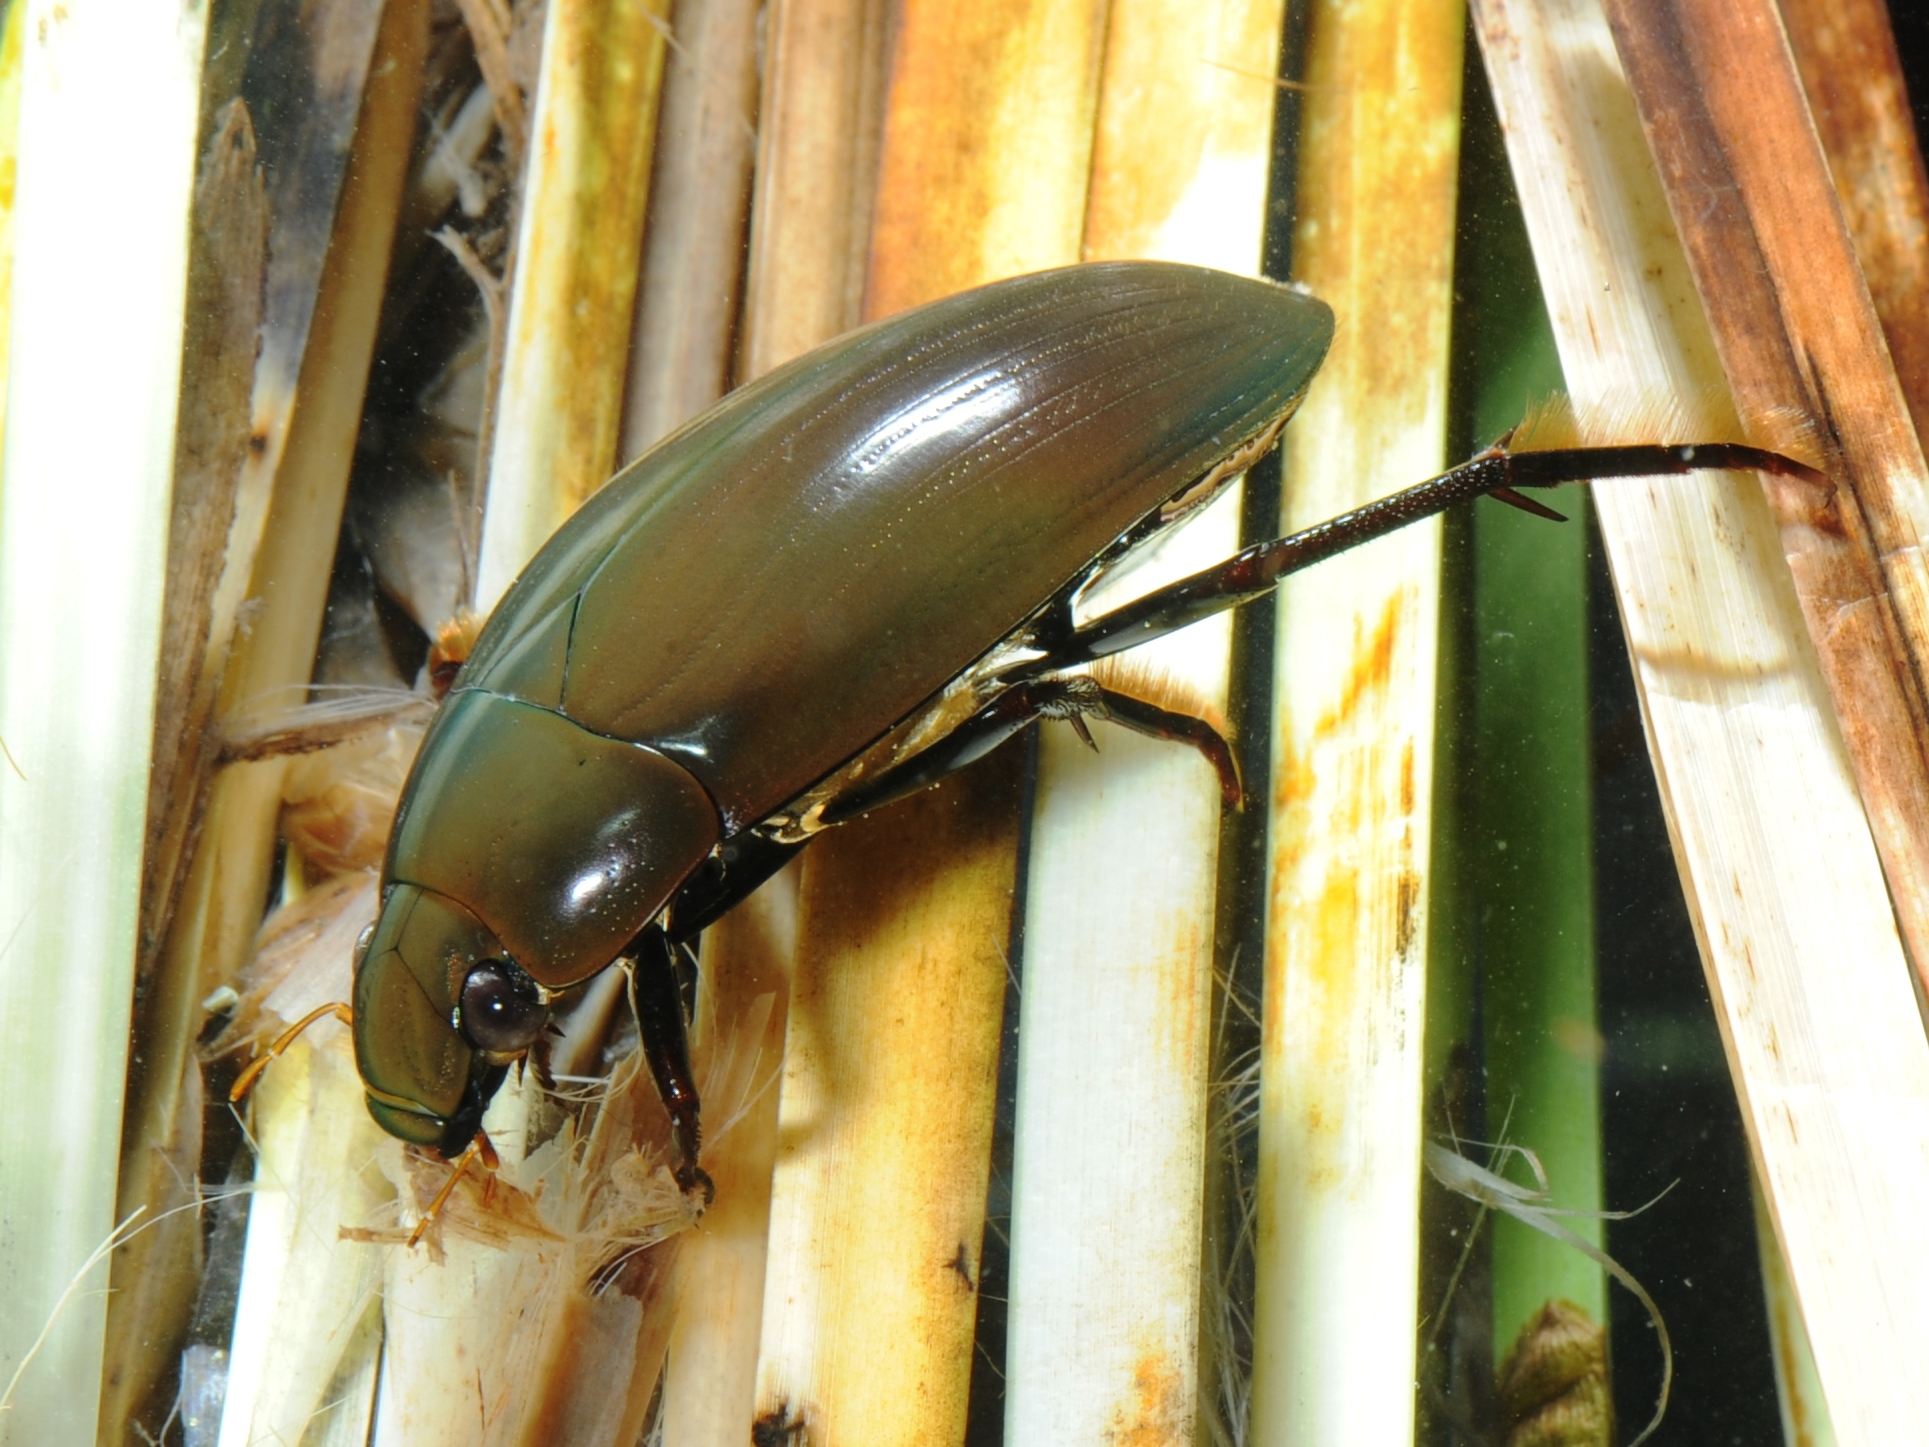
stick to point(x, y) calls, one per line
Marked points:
point(1012, 710)
point(1068, 698)
point(1180, 728)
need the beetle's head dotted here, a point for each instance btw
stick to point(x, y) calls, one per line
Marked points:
point(440, 1012)
point(527, 854)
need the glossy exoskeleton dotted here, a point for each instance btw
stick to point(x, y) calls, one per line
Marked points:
point(838, 585)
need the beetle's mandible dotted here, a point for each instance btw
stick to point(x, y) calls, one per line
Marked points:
point(839, 584)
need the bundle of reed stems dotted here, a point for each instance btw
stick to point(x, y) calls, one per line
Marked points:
point(1055, 1104)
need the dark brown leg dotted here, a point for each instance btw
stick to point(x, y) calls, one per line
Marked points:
point(1252, 573)
point(1070, 699)
point(666, 1048)
point(1014, 709)
point(1181, 728)
point(722, 882)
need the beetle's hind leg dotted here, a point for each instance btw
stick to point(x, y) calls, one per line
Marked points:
point(666, 1049)
point(1252, 572)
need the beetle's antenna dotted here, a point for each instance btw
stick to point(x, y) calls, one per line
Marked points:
point(245, 1082)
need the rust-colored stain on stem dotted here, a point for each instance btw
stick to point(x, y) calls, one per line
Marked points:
point(987, 148)
point(1367, 676)
point(1158, 1410)
point(1344, 766)
point(883, 1151)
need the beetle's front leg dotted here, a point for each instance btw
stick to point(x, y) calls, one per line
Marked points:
point(666, 1047)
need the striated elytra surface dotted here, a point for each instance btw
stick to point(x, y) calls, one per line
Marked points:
point(766, 592)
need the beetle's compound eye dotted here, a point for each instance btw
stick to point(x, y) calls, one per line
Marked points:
point(362, 942)
point(501, 1011)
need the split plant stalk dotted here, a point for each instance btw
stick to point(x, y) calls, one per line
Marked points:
point(94, 366)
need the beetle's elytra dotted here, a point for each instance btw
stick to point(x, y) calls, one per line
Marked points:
point(765, 595)
point(834, 587)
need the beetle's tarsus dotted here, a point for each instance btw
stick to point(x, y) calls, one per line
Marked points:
point(481, 1149)
point(666, 1049)
point(692, 1178)
point(1084, 732)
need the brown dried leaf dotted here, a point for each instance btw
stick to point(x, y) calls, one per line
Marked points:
point(1553, 1387)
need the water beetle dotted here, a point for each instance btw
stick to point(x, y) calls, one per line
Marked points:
point(839, 584)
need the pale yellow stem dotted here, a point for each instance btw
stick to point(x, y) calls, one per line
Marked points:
point(1340, 1129)
point(1108, 1183)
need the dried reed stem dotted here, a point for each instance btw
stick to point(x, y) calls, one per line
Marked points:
point(1339, 1171)
point(986, 153)
point(686, 307)
point(156, 1273)
point(710, 1382)
point(1778, 866)
point(304, 1290)
point(207, 860)
point(1749, 189)
point(1107, 1191)
point(810, 231)
point(275, 1391)
point(877, 1205)
point(1853, 79)
point(578, 248)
